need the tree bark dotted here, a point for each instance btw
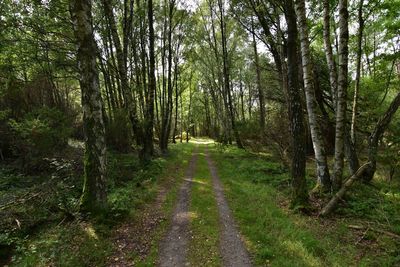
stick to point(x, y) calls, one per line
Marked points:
point(358, 71)
point(373, 140)
point(341, 94)
point(227, 75)
point(297, 129)
point(346, 186)
point(94, 196)
point(260, 90)
point(319, 147)
point(148, 147)
point(329, 53)
point(129, 103)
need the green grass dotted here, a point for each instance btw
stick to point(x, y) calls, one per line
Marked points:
point(203, 248)
point(278, 237)
point(88, 243)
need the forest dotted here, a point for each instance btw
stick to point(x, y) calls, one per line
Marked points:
point(199, 133)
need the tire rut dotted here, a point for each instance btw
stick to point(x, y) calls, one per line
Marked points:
point(174, 246)
point(232, 248)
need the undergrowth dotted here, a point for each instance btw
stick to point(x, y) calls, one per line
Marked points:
point(278, 236)
point(48, 230)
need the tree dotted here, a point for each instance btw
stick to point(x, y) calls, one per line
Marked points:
point(148, 148)
point(295, 111)
point(341, 94)
point(94, 196)
point(316, 135)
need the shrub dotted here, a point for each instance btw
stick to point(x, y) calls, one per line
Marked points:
point(39, 133)
point(119, 134)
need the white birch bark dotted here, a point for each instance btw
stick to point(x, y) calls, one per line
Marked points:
point(316, 135)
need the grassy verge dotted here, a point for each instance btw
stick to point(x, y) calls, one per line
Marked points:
point(64, 242)
point(203, 248)
point(257, 190)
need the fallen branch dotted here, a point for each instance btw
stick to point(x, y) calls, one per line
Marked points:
point(359, 227)
point(20, 200)
point(346, 186)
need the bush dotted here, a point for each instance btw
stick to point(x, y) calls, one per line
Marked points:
point(119, 134)
point(39, 134)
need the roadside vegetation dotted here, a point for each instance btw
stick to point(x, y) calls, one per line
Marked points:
point(58, 234)
point(363, 232)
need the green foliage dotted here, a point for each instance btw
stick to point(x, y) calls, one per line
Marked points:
point(118, 132)
point(40, 133)
point(75, 244)
point(279, 237)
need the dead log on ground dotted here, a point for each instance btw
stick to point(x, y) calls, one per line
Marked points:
point(345, 187)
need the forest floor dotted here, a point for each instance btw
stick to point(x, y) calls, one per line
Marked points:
point(204, 204)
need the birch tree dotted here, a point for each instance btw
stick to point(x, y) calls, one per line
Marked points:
point(312, 110)
point(341, 93)
point(94, 195)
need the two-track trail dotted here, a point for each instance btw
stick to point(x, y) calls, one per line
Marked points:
point(175, 245)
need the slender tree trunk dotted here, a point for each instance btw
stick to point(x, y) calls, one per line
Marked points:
point(341, 94)
point(94, 196)
point(260, 90)
point(148, 147)
point(226, 76)
point(346, 186)
point(350, 150)
point(358, 71)
point(316, 135)
point(373, 140)
point(129, 102)
point(329, 53)
point(176, 102)
point(297, 129)
point(166, 123)
point(181, 128)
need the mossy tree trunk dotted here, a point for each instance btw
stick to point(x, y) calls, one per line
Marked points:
point(94, 197)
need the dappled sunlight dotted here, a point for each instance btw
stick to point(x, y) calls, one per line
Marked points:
point(89, 230)
point(201, 141)
point(200, 181)
point(186, 215)
point(391, 196)
point(298, 249)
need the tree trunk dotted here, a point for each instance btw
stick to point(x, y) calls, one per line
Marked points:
point(226, 76)
point(346, 186)
point(373, 140)
point(296, 118)
point(130, 105)
point(329, 53)
point(316, 135)
point(148, 148)
point(176, 103)
point(94, 196)
point(358, 71)
point(341, 94)
point(260, 90)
